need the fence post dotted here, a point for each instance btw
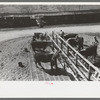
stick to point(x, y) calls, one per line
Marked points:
point(67, 50)
point(53, 39)
point(52, 35)
point(61, 44)
point(56, 39)
point(76, 60)
point(90, 73)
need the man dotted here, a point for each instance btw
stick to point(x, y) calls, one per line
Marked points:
point(96, 41)
point(62, 33)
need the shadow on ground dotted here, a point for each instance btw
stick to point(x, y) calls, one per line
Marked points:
point(59, 71)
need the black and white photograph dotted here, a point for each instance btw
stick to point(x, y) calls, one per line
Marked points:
point(49, 42)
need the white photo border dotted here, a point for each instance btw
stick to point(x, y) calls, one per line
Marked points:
point(38, 89)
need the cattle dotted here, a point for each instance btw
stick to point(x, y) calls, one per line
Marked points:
point(90, 51)
point(44, 37)
point(40, 36)
point(71, 35)
point(46, 57)
point(40, 45)
point(72, 42)
point(40, 41)
point(37, 35)
point(76, 42)
point(73, 39)
point(34, 38)
point(80, 41)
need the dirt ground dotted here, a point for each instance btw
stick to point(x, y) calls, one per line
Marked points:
point(12, 52)
point(13, 44)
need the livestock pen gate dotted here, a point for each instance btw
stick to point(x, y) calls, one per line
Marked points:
point(82, 69)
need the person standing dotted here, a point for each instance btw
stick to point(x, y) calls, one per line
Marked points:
point(96, 41)
point(62, 33)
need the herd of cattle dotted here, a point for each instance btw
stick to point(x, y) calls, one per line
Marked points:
point(41, 41)
point(74, 40)
point(39, 44)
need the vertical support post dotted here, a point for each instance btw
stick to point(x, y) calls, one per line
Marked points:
point(76, 60)
point(61, 44)
point(90, 73)
point(52, 35)
point(64, 65)
point(67, 51)
point(52, 42)
point(56, 39)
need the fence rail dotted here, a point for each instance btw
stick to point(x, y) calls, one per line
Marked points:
point(80, 65)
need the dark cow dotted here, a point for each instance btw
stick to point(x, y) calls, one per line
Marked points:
point(76, 42)
point(73, 40)
point(44, 37)
point(37, 35)
point(67, 36)
point(46, 57)
point(80, 41)
point(40, 36)
point(34, 38)
point(40, 44)
point(90, 51)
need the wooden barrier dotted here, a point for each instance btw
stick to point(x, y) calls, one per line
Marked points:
point(68, 51)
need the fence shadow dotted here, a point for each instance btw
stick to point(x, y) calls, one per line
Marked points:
point(59, 71)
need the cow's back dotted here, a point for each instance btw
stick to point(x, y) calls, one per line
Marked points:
point(40, 44)
point(92, 50)
point(43, 57)
point(72, 42)
point(67, 36)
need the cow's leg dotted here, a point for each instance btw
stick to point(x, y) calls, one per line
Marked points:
point(79, 47)
point(51, 65)
point(55, 63)
point(86, 57)
point(90, 74)
point(82, 46)
point(35, 63)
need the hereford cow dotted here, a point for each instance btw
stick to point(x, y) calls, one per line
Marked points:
point(46, 57)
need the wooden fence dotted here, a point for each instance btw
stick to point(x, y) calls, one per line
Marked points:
point(80, 66)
